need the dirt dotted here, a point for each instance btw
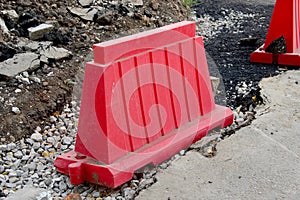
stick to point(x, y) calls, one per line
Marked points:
point(40, 100)
point(233, 59)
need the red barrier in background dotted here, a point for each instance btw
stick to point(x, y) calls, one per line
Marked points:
point(285, 22)
point(145, 97)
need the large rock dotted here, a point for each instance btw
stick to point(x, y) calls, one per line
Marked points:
point(39, 31)
point(84, 13)
point(19, 63)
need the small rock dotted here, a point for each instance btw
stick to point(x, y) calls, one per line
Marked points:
point(84, 13)
point(73, 197)
point(85, 3)
point(18, 90)
point(67, 140)
point(16, 110)
point(56, 53)
point(62, 186)
point(35, 79)
point(18, 154)
point(25, 74)
point(31, 166)
point(25, 80)
point(37, 137)
point(128, 193)
point(62, 130)
point(2, 168)
point(36, 145)
point(105, 19)
point(13, 180)
point(51, 140)
point(11, 146)
point(146, 182)
point(39, 31)
point(53, 119)
point(42, 185)
point(154, 5)
point(3, 147)
point(48, 181)
point(134, 2)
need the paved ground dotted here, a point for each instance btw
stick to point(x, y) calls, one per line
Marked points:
point(261, 161)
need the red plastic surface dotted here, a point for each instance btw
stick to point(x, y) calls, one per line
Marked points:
point(143, 107)
point(285, 22)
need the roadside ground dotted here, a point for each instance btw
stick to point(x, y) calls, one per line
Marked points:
point(260, 161)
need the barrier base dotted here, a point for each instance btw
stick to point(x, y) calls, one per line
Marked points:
point(81, 168)
point(260, 56)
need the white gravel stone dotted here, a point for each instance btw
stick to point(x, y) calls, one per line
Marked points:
point(18, 154)
point(3, 147)
point(37, 137)
point(11, 146)
point(62, 130)
point(67, 140)
point(35, 79)
point(16, 110)
point(18, 90)
point(53, 119)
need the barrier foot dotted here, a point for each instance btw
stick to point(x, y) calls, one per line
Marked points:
point(81, 168)
point(260, 56)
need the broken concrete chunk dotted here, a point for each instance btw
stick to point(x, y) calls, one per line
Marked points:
point(55, 53)
point(84, 13)
point(29, 45)
point(39, 31)
point(134, 2)
point(85, 3)
point(19, 63)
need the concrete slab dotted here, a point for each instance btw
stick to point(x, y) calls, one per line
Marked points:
point(261, 161)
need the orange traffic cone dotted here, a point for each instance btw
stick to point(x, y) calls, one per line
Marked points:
point(284, 27)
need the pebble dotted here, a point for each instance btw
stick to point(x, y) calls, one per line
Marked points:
point(3, 147)
point(35, 79)
point(25, 80)
point(128, 193)
point(18, 90)
point(31, 166)
point(18, 154)
point(62, 185)
point(2, 168)
point(67, 141)
point(16, 110)
point(37, 137)
point(11, 146)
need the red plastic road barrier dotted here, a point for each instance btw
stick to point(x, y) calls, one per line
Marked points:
point(285, 22)
point(145, 97)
